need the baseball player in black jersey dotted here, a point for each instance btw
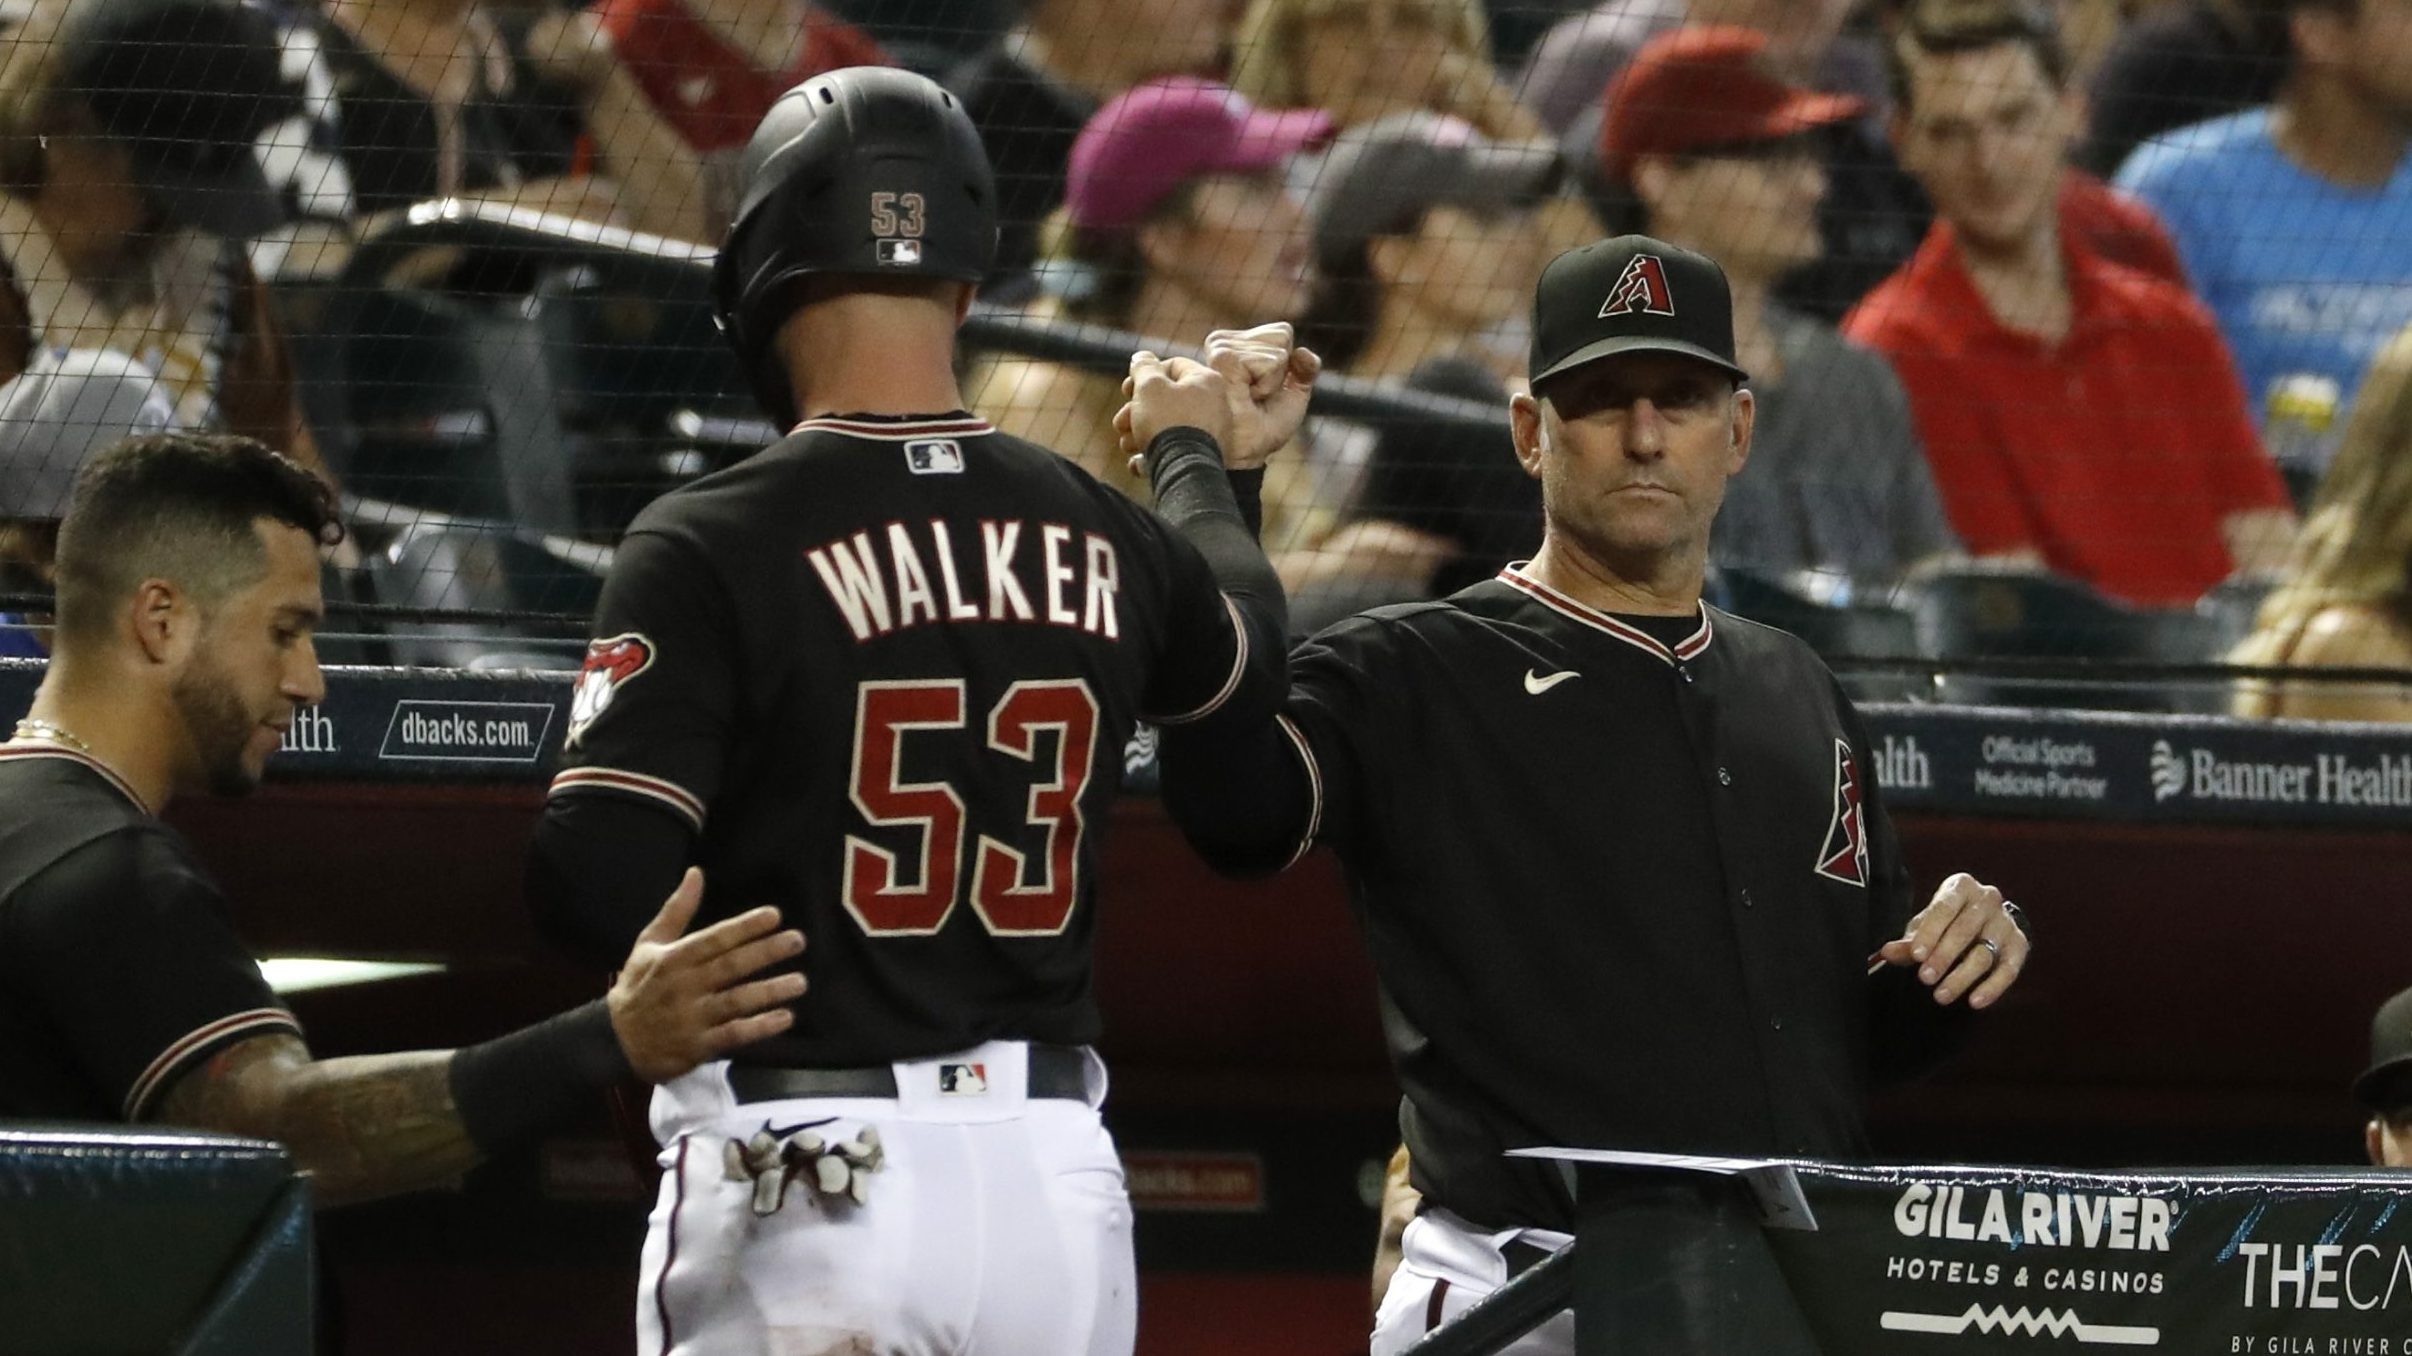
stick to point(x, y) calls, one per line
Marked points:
point(881, 674)
point(187, 594)
point(1620, 857)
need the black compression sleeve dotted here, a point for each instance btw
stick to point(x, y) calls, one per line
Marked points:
point(512, 1088)
point(1196, 496)
point(1248, 487)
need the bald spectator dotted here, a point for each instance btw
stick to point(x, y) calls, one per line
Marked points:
point(1032, 91)
point(1723, 158)
point(2295, 219)
point(2078, 413)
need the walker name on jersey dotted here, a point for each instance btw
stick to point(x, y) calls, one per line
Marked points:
point(927, 573)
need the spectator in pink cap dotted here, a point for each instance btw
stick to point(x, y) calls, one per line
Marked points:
point(1176, 221)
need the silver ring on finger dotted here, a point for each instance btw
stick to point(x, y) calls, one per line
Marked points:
point(1991, 945)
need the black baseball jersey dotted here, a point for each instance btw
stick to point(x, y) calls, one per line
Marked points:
point(886, 669)
point(118, 969)
point(1621, 888)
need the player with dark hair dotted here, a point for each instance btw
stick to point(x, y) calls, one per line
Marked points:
point(1620, 857)
point(881, 674)
point(187, 594)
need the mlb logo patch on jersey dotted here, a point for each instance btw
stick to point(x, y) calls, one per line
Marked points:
point(610, 662)
point(963, 1080)
point(934, 457)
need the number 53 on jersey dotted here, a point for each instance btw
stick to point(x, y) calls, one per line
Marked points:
point(1050, 724)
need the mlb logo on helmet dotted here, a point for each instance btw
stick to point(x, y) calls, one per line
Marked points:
point(899, 253)
point(934, 457)
point(963, 1080)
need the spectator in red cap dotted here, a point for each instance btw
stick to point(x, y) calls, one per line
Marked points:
point(1176, 220)
point(1723, 158)
point(2078, 413)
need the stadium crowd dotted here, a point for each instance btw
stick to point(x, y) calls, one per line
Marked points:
point(2104, 291)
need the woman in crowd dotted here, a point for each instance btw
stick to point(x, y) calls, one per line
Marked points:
point(2345, 599)
point(114, 237)
point(1362, 60)
point(1177, 220)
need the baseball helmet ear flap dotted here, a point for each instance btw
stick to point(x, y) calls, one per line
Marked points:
point(866, 171)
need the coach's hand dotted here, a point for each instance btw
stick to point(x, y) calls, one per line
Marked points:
point(1963, 943)
point(1279, 378)
point(681, 1000)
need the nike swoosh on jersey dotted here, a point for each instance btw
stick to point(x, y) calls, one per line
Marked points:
point(1536, 684)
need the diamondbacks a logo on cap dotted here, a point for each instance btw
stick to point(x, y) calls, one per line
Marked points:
point(1642, 287)
point(1845, 854)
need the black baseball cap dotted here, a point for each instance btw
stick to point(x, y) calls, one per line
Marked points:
point(2386, 1086)
point(188, 87)
point(1632, 294)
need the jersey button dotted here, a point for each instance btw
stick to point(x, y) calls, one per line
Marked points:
point(1685, 670)
point(1776, 1023)
point(1747, 901)
point(1724, 778)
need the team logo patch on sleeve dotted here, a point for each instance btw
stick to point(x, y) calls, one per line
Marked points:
point(1845, 854)
point(609, 663)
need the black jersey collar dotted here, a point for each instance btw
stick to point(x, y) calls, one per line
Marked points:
point(1689, 647)
point(43, 748)
point(898, 428)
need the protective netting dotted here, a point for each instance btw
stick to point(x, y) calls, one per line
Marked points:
point(2072, 327)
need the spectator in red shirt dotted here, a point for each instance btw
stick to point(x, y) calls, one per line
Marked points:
point(2078, 413)
point(712, 68)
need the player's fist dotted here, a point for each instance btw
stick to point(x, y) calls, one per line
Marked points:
point(682, 999)
point(1169, 393)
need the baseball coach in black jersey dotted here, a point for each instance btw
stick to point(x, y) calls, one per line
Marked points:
point(187, 595)
point(1620, 857)
point(881, 674)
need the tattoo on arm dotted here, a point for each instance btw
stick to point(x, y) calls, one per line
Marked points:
point(362, 1127)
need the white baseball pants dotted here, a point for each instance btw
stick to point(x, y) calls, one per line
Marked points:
point(998, 1225)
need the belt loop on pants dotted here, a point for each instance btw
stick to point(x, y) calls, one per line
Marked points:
point(1056, 1071)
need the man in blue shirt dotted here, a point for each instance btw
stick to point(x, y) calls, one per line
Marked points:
point(2295, 219)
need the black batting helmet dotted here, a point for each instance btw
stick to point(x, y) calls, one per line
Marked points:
point(866, 170)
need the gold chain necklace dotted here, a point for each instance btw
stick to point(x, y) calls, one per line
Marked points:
point(34, 728)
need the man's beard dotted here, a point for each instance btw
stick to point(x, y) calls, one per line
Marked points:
point(219, 728)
